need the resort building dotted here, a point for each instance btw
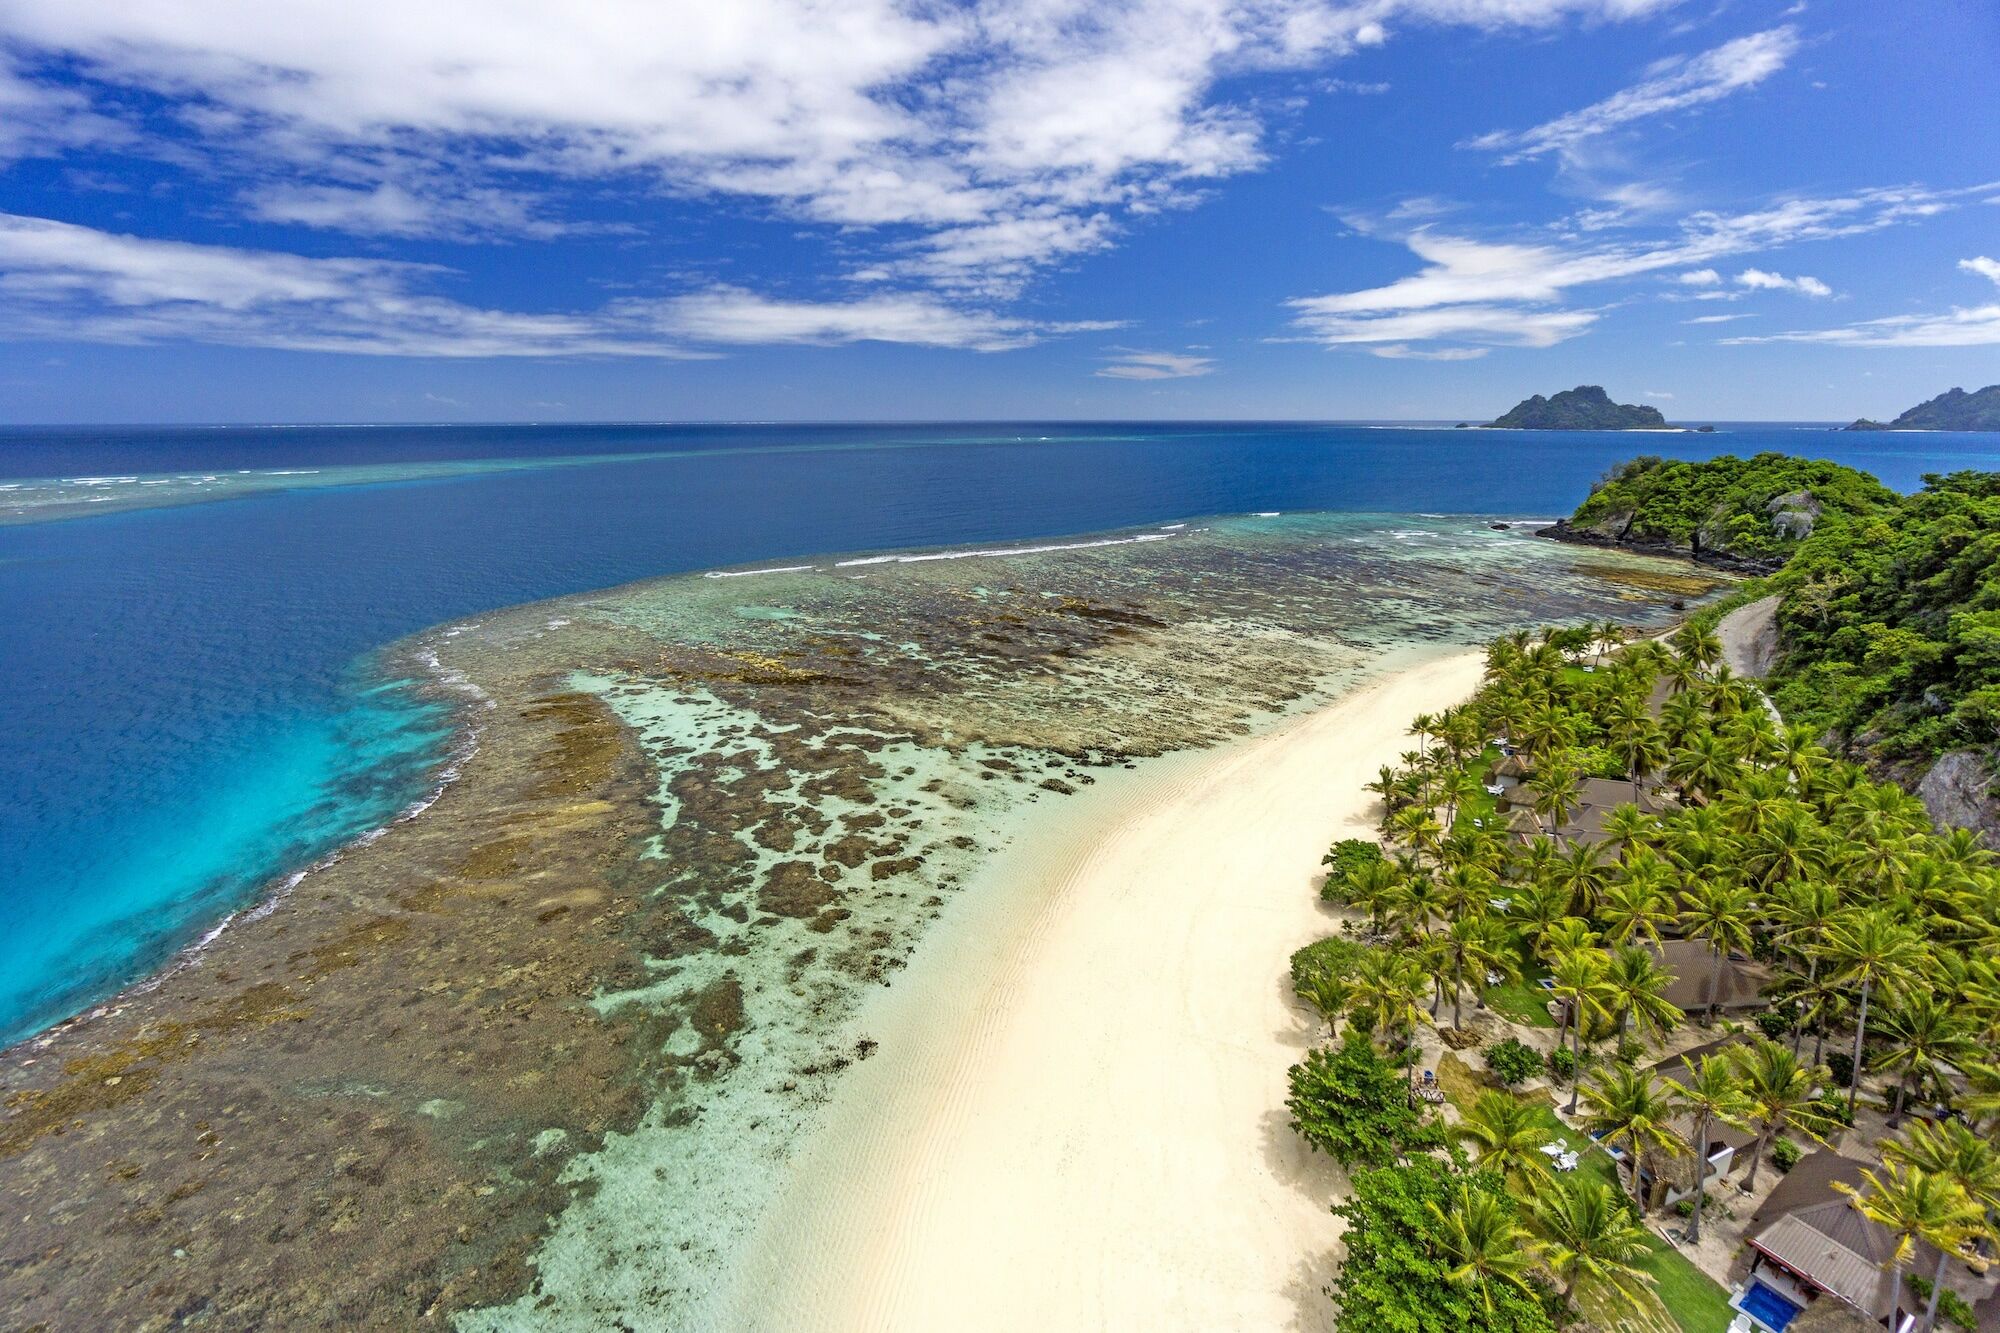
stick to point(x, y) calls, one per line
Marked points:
point(1669, 1180)
point(1808, 1245)
point(1697, 985)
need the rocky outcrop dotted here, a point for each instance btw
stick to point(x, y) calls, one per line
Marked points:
point(1959, 792)
point(1954, 409)
point(1794, 515)
point(1586, 407)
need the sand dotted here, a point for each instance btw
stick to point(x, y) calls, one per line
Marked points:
point(1077, 1118)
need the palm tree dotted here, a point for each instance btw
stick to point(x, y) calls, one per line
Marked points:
point(1389, 988)
point(1702, 766)
point(1950, 1148)
point(1330, 995)
point(1626, 1108)
point(1577, 983)
point(1537, 908)
point(1642, 747)
point(1592, 1240)
point(1554, 787)
point(1777, 1097)
point(1628, 828)
point(1455, 788)
point(1507, 1134)
point(1634, 989)
point(1636, 905)
point(1483, 1242)
point(1928, 1034)
point(1717, 912)
point(1697, 644)
point(1416, 827)
point(1917, 1206)
point(1786, 847)
point(1580, 870)
point(1871, 951)
point(1710, 1093)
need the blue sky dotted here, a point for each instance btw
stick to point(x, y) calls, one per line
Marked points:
point(353, 210)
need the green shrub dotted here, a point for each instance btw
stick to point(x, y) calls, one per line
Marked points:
point(1346, 856)
point(1513, 1061)
point(1562, 1064)
point(1351, 1103)
point(1785, 1154)
point(1331, 957)
point(1774, 1022)
point(1951, 1305)
point(1834, 1107)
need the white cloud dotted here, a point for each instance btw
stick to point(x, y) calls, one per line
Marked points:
point(1131, 365)
point(1505, 293)
point(1962, 326)
point(1758, 279)
point(987, 139)
point(1701, 277)
point(64, 282)
point(1984, 267)
point(1715, 319)
point(1658, 393)
point(1671, 85)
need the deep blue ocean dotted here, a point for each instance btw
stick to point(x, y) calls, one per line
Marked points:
point(192, 714)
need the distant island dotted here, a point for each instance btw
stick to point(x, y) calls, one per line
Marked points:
point(1954, 409)
point(1586, 407)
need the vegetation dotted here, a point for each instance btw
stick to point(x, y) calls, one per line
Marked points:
point(1586, 407)
point(1513, 1060)
point(1350, 1102)
point(1954, 409)
point(1744, 837)
point(1755, 509)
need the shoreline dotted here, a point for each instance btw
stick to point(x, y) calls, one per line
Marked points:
point(1099, 1100)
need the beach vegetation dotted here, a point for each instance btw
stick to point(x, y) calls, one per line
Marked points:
point(1513, 1060)
point(1351, 1102)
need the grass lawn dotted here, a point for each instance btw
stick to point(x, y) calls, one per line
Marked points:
point(1695, 1300)
point(1523, 1001)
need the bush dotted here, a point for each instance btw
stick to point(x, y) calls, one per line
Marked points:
point(1774, 1023)
point(1331, 957)
point(1347, 856)
point(1350, 1102)
point(1842, 1066)
point(1513, 1061)
point(1951, 1305)
point(1834, 1107)
point(1785, 1154)
point(1562, 1064)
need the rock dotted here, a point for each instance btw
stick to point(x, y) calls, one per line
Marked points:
point(1958, 793)
point(1794, 514)
point(1500, 527)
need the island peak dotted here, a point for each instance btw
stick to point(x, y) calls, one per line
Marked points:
point(1586, 407)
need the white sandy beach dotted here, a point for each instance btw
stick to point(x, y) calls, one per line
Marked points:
point(1077, 1116)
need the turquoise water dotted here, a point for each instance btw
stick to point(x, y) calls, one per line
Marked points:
point(192, 714)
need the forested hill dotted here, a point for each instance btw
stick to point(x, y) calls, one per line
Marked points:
point(1889, 606)
point(1742, 513)
point(1586, 407)
point(1954, 409)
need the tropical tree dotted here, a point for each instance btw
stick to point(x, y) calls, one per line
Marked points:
point(1626, 1107)
point(1577, 984)
point(1637, 904)
point(1554, 789)
point(1635, 992)
point(1474, 947)
point(1484, 1242)
point(1507, 1135)
point(1950, 1148)
point(1710, 1094)
point(1928, 1035)
point(1718, 913)
point(1702, 766)
point(1641, 745)
point(1870, 951)
point(1916, 1206)
point(1591, 1240)
point(1455, 788)
point(1777, 1098)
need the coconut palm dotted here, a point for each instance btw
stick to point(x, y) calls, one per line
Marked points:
point(1634, 991)
point(1626, 1107)
point(1389, 987)
point(1537, 909)
point(1636, 905)
point(1455, 788)
point(1642, 747)
point(1711, 1093)
point(1590, 1239)
point(1629, 829)
point(1475, 946)
point(1330, 995)
point(1950, 1148)
point(1787, 846)
point(1718, 913)
point(1554, 789)
point(1702, 766)
point(1580, 870)
point(1872, 952)
point(1577, 984)
point(1507, 1135)
point(1483, 1242)
point(1778, 1097)
point(1917, 1206)
point(1928, 1035)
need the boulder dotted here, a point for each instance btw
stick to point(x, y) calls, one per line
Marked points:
point(1958, 792)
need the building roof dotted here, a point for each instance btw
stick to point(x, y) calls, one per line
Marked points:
point(1680, 1068)
point(1816, 1231)
point(1692, 964)
point(1512, 766)
point(1832, 1317)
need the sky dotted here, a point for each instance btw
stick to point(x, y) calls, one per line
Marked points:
point(439, 210)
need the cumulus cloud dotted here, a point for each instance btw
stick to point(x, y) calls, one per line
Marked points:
point(59, 280)
point(1670, 85)
point(1758, 279)
point(1507, 293)
point(984, 140)
point(1984, 267)
point(1127, 364)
